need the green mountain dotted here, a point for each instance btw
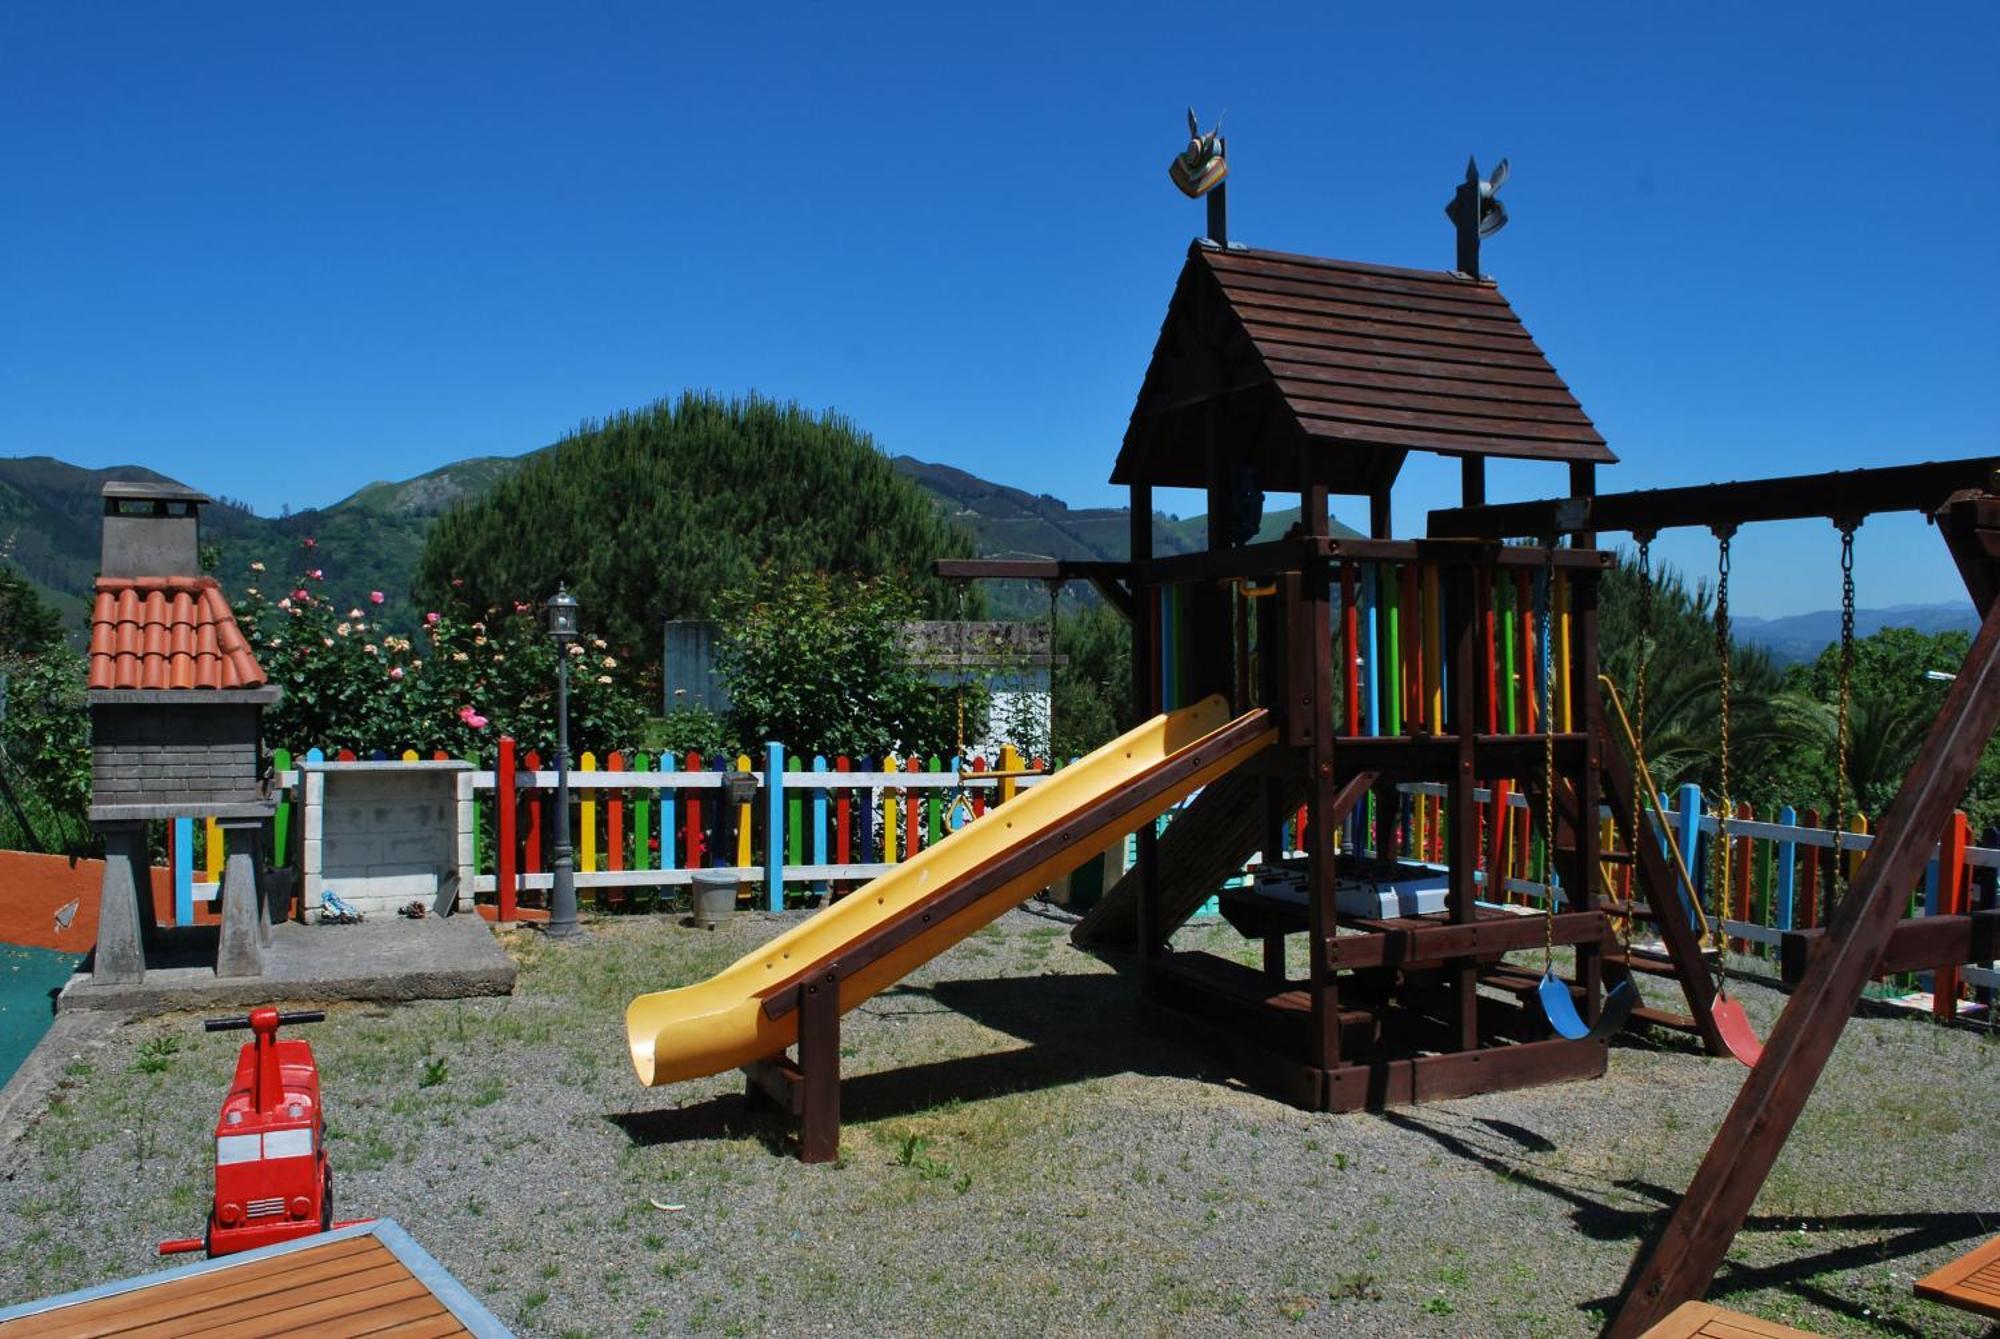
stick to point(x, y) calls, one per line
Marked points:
point(371, 539)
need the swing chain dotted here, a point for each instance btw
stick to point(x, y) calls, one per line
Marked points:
point(1641, 673)
point(1726, 691)
point(1839, 873)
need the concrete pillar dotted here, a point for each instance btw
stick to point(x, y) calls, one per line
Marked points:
point(245, 927)
point(121, 954)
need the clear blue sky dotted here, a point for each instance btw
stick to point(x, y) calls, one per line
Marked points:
point(281, 250)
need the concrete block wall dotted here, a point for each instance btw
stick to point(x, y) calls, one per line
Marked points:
point(382, 837)
point(192, 755)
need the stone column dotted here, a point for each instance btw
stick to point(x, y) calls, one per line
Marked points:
point(121, 954)
point(245, 927)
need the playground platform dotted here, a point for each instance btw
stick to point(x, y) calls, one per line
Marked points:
point(371, 1278)
point(387, 959)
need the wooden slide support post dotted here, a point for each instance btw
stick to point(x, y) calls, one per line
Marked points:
point(1687, 1253)
point(1658, 881)
point(808, 1090)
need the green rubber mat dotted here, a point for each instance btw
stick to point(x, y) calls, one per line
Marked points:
point(28, 979)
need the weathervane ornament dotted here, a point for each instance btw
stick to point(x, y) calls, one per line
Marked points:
point(1204, 163)
point(1475, 210)
point(1199, 170)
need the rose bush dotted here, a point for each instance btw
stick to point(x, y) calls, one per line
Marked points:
point(461, 681)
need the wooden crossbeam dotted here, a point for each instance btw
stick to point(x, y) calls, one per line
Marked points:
point(1921, 944)
point(1837, 493)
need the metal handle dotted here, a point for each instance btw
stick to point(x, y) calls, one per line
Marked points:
point(243, 1020)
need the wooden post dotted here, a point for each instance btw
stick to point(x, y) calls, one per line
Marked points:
point(819, 1065)
point(1462, 812)
point(1584, 875)
point(1954, 899)
point(1311, 697)
point(1708, 1217)
point(506, 798)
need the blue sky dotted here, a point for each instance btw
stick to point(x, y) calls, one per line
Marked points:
point(279, 251)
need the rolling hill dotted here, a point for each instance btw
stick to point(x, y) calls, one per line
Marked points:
point(371, 539)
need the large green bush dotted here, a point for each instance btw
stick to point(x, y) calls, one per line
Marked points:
point(819, 662)
point(652, 514)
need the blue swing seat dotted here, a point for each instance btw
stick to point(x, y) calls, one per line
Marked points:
point(1560, 1006)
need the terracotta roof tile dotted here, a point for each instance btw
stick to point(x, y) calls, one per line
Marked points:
point(156, 633)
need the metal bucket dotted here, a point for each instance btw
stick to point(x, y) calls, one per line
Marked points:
point(714, 896)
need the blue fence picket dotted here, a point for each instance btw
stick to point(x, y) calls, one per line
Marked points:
point(1784, 857)
point(774, 827)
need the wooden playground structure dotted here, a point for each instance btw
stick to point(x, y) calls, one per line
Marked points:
point(1467, 661)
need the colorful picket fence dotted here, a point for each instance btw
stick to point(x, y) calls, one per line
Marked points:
point(640, 826)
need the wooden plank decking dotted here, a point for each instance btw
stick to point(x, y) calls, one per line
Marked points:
point(368, 1280)
point(1971, 1283)
point(1705, 1320)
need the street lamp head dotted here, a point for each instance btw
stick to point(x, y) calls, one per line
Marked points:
point(562, 615)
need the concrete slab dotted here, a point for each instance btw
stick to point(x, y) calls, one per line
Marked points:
point(380, 959)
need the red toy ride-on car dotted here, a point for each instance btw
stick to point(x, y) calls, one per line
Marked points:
point(272, 1179)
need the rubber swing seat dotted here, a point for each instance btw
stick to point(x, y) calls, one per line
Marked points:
point(1560, 1006)
point(1737, 1034)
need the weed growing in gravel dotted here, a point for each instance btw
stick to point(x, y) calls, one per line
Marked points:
point(1355, 1288)
point(436, 1070)
point(156, 1054)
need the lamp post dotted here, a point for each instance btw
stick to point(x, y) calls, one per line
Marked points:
point(562, 899)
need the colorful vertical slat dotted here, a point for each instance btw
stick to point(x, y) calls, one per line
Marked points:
point(586, 852)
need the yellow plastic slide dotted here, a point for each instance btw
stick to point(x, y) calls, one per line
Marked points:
point(720, 1024)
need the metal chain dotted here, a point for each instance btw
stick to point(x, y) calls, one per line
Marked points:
point(1839, 871)
point(1551, 879)
point(1643, 672)
point(1726, 689)
point(960, 691)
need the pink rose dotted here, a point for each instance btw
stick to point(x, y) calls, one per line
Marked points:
point(456, 582)
point(316, 574)
point(374, 597)
point(395, 671)
point(472, 718)
point(300, 594)
point(310, 542)
point(431, 618)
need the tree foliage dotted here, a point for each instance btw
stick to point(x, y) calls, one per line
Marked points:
point(652, 514)
point(1092, 680)
point(45, 731)
point(820, 663)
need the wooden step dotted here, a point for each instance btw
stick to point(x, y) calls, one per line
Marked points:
point(1647, 964)
point(1618, 906)
point(1665, 1018)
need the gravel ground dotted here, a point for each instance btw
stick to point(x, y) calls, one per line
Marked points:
point(1017, 1160)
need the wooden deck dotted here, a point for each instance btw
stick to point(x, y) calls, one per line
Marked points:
point(1971, 1283)
point(370, 1279)
point(1705, 1320)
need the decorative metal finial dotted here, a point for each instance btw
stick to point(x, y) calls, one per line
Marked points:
point(1199, 170)
point(1475, 210)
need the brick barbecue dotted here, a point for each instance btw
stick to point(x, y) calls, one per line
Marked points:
point(176, 706)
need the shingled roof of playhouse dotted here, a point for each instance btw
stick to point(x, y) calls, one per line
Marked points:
point(171, 632)
point(1365, 363)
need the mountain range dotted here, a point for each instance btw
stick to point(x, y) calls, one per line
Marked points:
point(371, 539)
